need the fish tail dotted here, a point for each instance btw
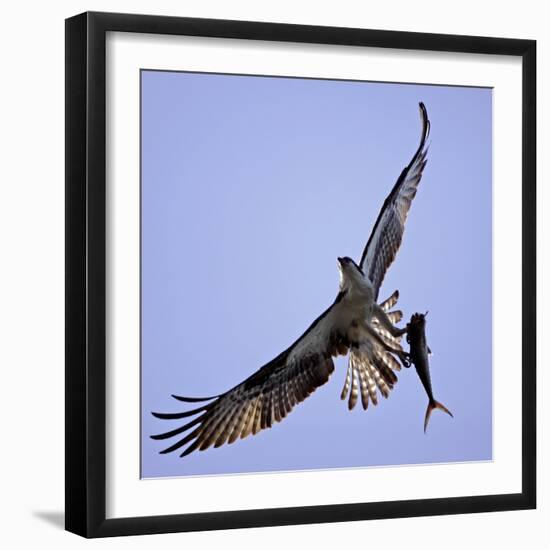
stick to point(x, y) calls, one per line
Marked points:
point(433, 404)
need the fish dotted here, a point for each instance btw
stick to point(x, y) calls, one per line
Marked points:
point(419, 353)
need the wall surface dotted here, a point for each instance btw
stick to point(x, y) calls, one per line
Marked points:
point(32, 274)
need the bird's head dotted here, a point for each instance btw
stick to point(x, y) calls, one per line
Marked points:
point(350, 272)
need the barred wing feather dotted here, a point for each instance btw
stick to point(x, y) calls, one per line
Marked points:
point(267, 396)
point(387, 234)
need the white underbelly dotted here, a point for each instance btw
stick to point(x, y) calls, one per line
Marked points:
point(359, 309)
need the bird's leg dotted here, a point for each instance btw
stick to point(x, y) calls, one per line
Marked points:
point(384, 320)
point(403, 355)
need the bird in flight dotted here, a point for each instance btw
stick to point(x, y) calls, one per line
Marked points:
point(355, 323)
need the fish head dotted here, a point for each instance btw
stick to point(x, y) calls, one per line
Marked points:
point(419, 320)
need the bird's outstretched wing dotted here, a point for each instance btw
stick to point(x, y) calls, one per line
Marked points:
point(269, 394)
point(387, 233)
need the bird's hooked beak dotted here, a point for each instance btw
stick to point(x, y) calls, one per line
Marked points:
point(345, 262)
point(342, 263)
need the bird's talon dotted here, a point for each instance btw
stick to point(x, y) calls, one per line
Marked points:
point(402, 331)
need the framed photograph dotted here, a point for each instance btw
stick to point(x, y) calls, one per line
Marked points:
point(300, 274)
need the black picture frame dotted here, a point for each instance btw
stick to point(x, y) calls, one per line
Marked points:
point(86, 274)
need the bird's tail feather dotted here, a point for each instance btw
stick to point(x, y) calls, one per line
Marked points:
point(387, 304)
point(370, 371)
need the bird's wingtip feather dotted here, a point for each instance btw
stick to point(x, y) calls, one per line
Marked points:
point(193, 399)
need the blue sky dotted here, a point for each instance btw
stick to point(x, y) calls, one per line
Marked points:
point(251, 187)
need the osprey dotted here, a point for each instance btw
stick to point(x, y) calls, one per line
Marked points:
point(355, 323)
